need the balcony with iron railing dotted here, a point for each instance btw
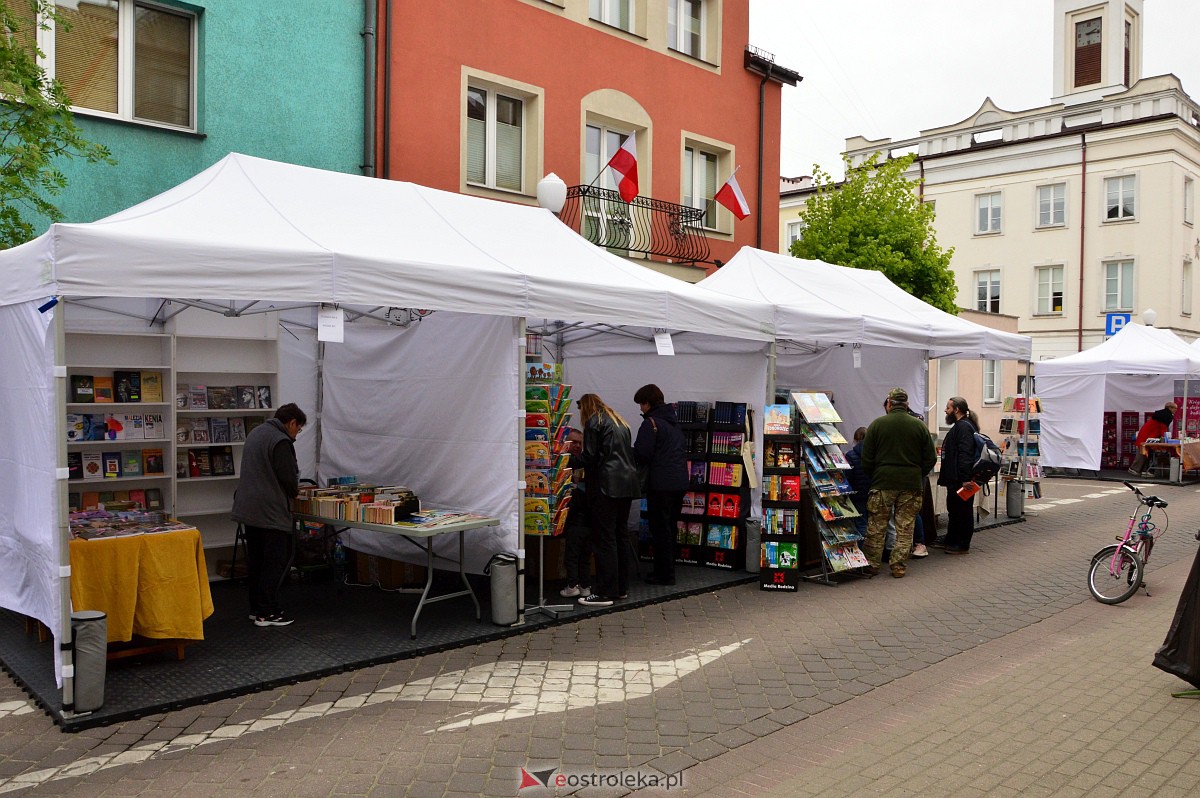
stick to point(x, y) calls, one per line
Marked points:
point(654, 227)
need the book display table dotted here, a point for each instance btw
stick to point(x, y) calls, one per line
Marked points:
point(415, 532)
point(151, 585)
point(1188, 453)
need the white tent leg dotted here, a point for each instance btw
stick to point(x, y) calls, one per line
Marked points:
point(62, 512)
point(520, 348)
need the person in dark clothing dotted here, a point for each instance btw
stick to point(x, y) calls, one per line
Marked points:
point(660, 448)
point(577, 554)
point(612, 485)
point(958, 458)
point(859, 481)
point(1155, 427)
point(270, 479)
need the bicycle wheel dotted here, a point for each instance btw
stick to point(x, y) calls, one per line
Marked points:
point(1112, 588)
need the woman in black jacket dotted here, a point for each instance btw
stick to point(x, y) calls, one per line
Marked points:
point(958, 458)
point(612, 485)
point(660, 448)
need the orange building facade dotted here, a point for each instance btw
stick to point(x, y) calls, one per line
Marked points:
point(486, 97)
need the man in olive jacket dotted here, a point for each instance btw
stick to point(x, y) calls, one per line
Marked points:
point(897, 455)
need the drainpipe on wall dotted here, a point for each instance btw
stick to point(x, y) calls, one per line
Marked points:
point(368, 162)
point(387, 91)
point(1082, 228)
point(762, 111)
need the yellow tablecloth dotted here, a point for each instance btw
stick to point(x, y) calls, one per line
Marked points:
point(1188, 452)
point(150, 585)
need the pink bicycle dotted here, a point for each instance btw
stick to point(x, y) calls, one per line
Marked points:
point(1116, 572)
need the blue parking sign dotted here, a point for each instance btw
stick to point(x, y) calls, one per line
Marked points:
point(1115, 322)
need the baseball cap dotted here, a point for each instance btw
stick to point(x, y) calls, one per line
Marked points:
point(898, 395)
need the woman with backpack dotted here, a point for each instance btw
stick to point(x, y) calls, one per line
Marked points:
point(958, 459)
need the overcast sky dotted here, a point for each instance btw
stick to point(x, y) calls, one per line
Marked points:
point(892, 68)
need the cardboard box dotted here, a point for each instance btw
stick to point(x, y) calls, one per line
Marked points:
point(370, 569)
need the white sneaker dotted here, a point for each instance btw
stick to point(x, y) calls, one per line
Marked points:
point(920, 551)
point(571, 591)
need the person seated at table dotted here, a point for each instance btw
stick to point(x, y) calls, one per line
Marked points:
point(1155, 427)
point(269, 480)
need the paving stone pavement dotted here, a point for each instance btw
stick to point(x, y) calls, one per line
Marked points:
point(990, 674)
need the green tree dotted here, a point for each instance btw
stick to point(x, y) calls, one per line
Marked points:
point(874, 220)
point(36, 126)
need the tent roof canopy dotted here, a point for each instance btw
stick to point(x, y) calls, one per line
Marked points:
point(821, 305)
point(252, 229)
point(1136, 349)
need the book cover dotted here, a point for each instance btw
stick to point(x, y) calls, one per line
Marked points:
point(107, 497)
point(127, 386)
point(131, 463)
point(218, 429)
point(197, 397)
point(77, 427)
point(154, 500)
point(183, 394)
point(82, 388)
point(264, 397)
point(135, 426)
point(112, 465)
point(203, 462)
point(200, 432)
point(74, 465)
point(252, 422)
point(222, 397)
point(73, 502)
point(537, 454)
point(102, 387)
point(777, 420)
point(89, 500)
point(537, 483)
point(537, 406)
point(713, 507)
point(537, 392)
point(114, 428)
point(138, 497)
point(537, 434)
point(182, 470)
point(153, 424)
point(183, 431)
point(152, 387)
point(698, 472)
point(537, 420)
point(537, 506)
point(221, 458)
point(93, 465)
point(237, 430)
point(731, 505)
point(152, 461)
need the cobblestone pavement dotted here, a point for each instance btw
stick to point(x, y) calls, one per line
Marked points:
point(991, 674)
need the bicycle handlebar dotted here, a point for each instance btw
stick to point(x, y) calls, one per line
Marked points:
point(1149, 501)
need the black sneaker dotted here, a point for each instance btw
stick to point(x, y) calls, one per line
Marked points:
point(596, 601)
point(274, 619)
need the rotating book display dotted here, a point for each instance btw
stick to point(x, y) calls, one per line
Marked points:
point(1020, 428)
point(783, 501)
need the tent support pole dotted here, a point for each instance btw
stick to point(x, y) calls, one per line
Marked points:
point(320, 407)
point(521, 344)
point(65, 640)
point(771, 362)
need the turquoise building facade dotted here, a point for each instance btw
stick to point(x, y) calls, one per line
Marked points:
point(278, 79)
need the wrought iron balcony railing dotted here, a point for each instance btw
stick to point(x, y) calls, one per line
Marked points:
point(655, 227)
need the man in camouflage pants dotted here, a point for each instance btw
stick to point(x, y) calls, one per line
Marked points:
point(897, 454)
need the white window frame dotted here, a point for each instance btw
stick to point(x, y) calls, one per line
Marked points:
point(1124, 272)
point(983, 304)
point(609, 12)
point(992, 203)
point(675, 20)
point(794, 232)
point(1125, 186)
point(991, 381)
point(126, 67)
point(614, 213)
point(700, 200)
point(1052, 205)
point(1185, 306)
point(1189, 200)
point(492, 94)
point(1044, 277)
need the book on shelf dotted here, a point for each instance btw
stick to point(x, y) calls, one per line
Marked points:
point(698, 472)
point(74, 502)
point(155, 430)
point(192, 462)
point(93, 465)
point(252, 422)
point(218, 428)
point(714, 504)
point(131, 463)
point(74, 465)
point(203, 462)
point(89, 500)
point(789, 487)
point(237, 430)
point(112, 465)
point(152, 461)
point(127, 386)
point(197, 397)
point(222, 397)
point(183, 394)
point(102, 387)
point(221, 458)
point(264, 397)
point(114, 427)
point(152, 386)
point(831, 433)
point(135, 426)
point(183, 431)
point(777, 420)
point(815, 407)
point(182, 470)
point(247, 397)
point(82, 388)
point(138, 497)
point(154, 500)
point(200, 431)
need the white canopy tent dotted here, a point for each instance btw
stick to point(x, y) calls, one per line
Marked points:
point(1135, 369)
point(855, 330)
point(249, 235)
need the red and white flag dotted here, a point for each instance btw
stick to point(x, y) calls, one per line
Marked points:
point(624, 164)
point(730, 195)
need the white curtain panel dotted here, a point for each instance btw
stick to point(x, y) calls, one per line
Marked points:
point(30, 548)
point(434, 407)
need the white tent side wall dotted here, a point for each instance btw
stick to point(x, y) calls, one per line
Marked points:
point(30, 548)
point(1071, 427)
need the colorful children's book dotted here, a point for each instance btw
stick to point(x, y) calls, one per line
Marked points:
point(777, 420)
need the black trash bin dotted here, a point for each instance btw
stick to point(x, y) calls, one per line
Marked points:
point(89, 633)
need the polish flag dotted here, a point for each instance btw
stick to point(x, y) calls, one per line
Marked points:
point(624, 163)
point(730, 195)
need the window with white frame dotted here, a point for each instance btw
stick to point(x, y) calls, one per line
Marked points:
point(795, 231)
point(1118, 285)
point(700, 183)
point(123, 58)
point(1049, 289)
point(987, 213)
point(987, 291)
point(991, 380)
point(618, 13)
point(1185, 306)
point(1188, 200)
point(1052, 205)
point(685, 27)
point(604, 221)
point(495, 139)
point(1119, 198)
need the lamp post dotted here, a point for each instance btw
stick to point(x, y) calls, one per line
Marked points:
point(1149, 316)
point(552, 193)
